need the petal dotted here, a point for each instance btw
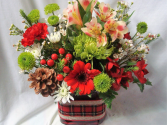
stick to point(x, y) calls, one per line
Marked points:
point(109, 65)
point(94, 72)
point(71, 82)
point(89, 87)
point(81, 65)
point(81, 88)
point(87, 66)
point(64, 99)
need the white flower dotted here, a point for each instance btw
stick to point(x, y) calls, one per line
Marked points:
point(63, 93)
point(115, 55)
point(54, 38)
point(21, 71)
point(35, 50)
point(63, 32)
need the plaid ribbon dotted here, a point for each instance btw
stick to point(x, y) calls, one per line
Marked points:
point(82, 108)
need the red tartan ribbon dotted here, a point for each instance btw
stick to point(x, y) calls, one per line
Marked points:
point(89, 110)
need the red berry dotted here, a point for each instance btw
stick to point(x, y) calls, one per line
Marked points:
point(60, 77)
point(68, 56)
point(62, 51)
point(66, 69)
point(50, 62)
point(65, 61)
point(54, 56)
point(43, 62)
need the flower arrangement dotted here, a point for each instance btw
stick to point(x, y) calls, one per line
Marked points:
point(85, 53)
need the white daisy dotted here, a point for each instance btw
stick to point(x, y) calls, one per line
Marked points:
point(63, 93)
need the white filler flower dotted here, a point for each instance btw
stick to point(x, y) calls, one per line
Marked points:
point(54, 38)
point(63, 93)
point(35, 50)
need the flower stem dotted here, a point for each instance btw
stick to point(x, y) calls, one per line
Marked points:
point(134, 35)
point(92, 63)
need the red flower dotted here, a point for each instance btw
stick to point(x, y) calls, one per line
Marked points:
point(81, 77)
point(127, 36)
point(141, 72)
point(115, 86)
point(123, 79)
point(37, 31)
point(112, 68)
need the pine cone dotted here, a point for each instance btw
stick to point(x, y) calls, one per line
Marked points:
point(44, 81)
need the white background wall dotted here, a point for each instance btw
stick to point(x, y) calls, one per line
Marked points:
point(20, 105)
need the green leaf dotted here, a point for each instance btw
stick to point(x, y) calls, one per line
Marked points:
point(81, 10)
point(148, 82)
point(126, 19)
point(77, 92)
point(131, 63)
point(141, 86)
point(124, 87)
point(87, 17)
point(108, 97)
point(135, 80)
point(90, 95)
point(25, 17)
point(101, 22)
point(89, 7)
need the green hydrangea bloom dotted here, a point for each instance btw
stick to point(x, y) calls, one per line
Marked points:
point(26, 61)
point(50, 8)
point(142, 27)
point(86, 48)
point(102, 82)
point(34, 15)
point(52, 20)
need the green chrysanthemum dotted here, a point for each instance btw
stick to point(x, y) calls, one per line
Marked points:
point(52, 20)
point(50, 8)
point(142, 27)
point(34, 15)
point(26, 61)
point(86, 48)
point(102, 82)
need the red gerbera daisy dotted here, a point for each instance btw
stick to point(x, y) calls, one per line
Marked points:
point(141, 72)
point(81, 77)
point(112, 68)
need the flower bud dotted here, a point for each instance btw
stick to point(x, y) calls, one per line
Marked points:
point(136, 68)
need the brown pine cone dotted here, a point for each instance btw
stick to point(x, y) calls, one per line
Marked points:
point(44, 81)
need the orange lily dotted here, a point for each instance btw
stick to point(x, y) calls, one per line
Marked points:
point(93, 29)
point(72, 14)
point(105, 12)
point(116, 29)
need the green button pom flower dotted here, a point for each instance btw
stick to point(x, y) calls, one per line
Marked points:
point(102, 83)
point(26, 61)
point(34, 15)
point(142, 27)
point(52, 20)
point(50, 8)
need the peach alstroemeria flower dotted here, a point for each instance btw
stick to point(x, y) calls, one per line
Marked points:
point(93, 29)
point(116, 29)
point(85, 3)
point(106, 12)
point(72, 14)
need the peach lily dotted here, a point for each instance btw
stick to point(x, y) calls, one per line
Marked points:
point(85, 3)
point(105, 12)
point(116, 29)
point(93, 29)
point(72, 14)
